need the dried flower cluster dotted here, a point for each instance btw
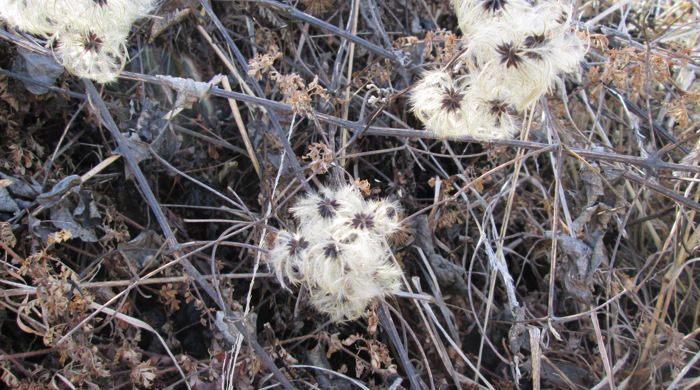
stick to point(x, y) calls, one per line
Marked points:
point(515, 52)
point(317, 7)
point(293, 88)
point(339, 251)
point(90, 35)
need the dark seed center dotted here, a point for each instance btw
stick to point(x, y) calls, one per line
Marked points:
point(327, 207)
point(295, 246)
point(535, 42)
point(363, 221)
point(93, 43)
point(451, 99)
point(498, 107)
point(494, 5)
point(510, 55)
point(331, 250)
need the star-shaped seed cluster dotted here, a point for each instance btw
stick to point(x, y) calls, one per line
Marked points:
point(339, 251)
point(90, 35)
point(515, 52)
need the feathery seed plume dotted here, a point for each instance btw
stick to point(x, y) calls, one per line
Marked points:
point(91, 34)
point(346, 263)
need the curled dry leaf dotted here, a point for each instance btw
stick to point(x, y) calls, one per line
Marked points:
point(321, 157)
point(6, 234)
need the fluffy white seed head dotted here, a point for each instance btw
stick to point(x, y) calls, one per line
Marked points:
point(388, 278)
point(497, 117)
point(369, 226)
point(481, 113)
point(287, 257)
point(46, 17)
point(334, 265)
point(345, 258)
point(28, 15)
point(438, 100)
point(339, 307)
point(472, 13)
point(317, 212)
point(343, 211)
point(91, 34)
point(524, 54)
point(352, 275)
point(97, 56)
point(386, 216)
point(100, 14)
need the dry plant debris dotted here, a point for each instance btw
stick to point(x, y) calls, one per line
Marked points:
point(422, 194)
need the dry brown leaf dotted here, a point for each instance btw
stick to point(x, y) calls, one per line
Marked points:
point(363, 185)
point(6, 234)
point(321, 157)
